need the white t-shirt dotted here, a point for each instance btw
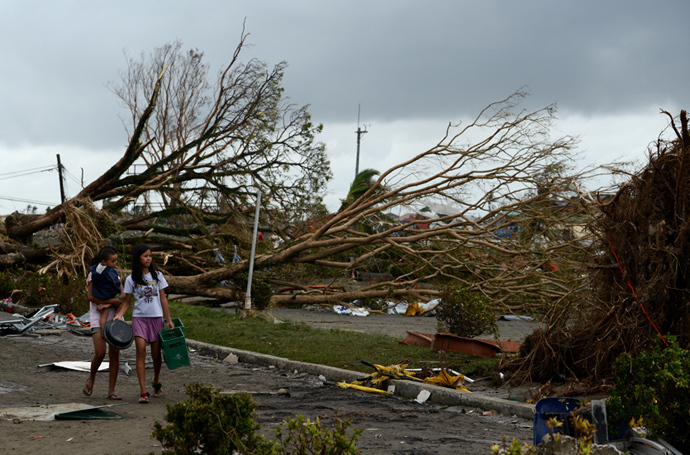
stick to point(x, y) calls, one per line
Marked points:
point(147, 302)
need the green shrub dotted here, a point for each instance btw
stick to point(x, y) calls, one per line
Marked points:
point(8, 283)
point(35, 290)
point(656, 387)
point(465, 313)
point(261, 291)
point(513, 448)
point(70, 293)
point(311, 438)
point(211, 423)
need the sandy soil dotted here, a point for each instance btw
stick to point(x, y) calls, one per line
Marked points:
point(390, 424)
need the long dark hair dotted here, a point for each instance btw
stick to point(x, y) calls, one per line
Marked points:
point(137, 270)
point(103, 254)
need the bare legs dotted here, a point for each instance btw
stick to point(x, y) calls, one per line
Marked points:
point(157, 361)
point(140, 344)
point(113, 370)
point(99, 346)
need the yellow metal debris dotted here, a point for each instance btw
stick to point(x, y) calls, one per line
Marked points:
point(345, 385)
point(446, 380)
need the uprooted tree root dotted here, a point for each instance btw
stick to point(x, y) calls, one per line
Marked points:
point(81, 237)
point(640, 280)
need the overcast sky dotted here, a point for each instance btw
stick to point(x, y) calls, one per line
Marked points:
point(412, 66)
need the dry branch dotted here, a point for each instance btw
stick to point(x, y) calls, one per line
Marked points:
point(640, 278)
point(509, 234)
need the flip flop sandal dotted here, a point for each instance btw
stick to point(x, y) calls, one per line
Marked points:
point(144, 398)
point(87, 390)
point(157, 389)
point(114, 396)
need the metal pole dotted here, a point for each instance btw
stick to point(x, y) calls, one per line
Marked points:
point(248, 295)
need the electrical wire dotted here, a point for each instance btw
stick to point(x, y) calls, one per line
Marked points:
point(37, 169)
point(25, 173)
point(28, 201)
point(74, 178)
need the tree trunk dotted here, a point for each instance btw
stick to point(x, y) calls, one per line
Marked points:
point(304, 299)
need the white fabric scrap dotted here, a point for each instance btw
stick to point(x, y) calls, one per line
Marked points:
point(359, 312)
point(430, 305)
point(399, 308)
point(341, 309)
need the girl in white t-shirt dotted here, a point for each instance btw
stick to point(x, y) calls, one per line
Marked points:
point(146, 284)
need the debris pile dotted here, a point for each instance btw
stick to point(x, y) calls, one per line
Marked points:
point(42, 318)
point(376, 381)
point(408, 309)
point(639, 281)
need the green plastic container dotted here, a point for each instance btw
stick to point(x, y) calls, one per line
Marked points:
point(174, 348)
point(178, 323)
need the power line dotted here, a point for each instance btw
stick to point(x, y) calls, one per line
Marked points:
point(27, 173)
point(28, 201)
point(71, 176)
point(37, 169)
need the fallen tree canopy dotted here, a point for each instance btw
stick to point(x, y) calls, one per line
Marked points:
point(509, 232)
point(639, 280)
point(510, 235)
point(494, 206)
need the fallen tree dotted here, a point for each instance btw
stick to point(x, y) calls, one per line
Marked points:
point(540, 264)
point(204, 150)
point(639, 280)
point(494, 206)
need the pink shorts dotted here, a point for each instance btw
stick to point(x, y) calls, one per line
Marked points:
point(95, 316)
point(148, 328)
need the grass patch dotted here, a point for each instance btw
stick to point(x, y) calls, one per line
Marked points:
point(301, 342)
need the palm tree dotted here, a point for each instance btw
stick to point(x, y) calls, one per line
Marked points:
point(360, 185)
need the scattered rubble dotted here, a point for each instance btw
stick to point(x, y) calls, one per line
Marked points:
point(43, 318)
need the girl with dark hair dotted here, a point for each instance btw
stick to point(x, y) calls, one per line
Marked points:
point(146, 284)
point(102, 307)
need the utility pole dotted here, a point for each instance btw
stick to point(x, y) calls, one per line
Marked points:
point(248, 295)
point(359, 132)
point(62, 184)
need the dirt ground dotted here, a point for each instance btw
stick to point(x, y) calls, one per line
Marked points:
point(390, 424)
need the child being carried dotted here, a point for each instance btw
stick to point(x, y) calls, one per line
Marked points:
point(106, 281)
